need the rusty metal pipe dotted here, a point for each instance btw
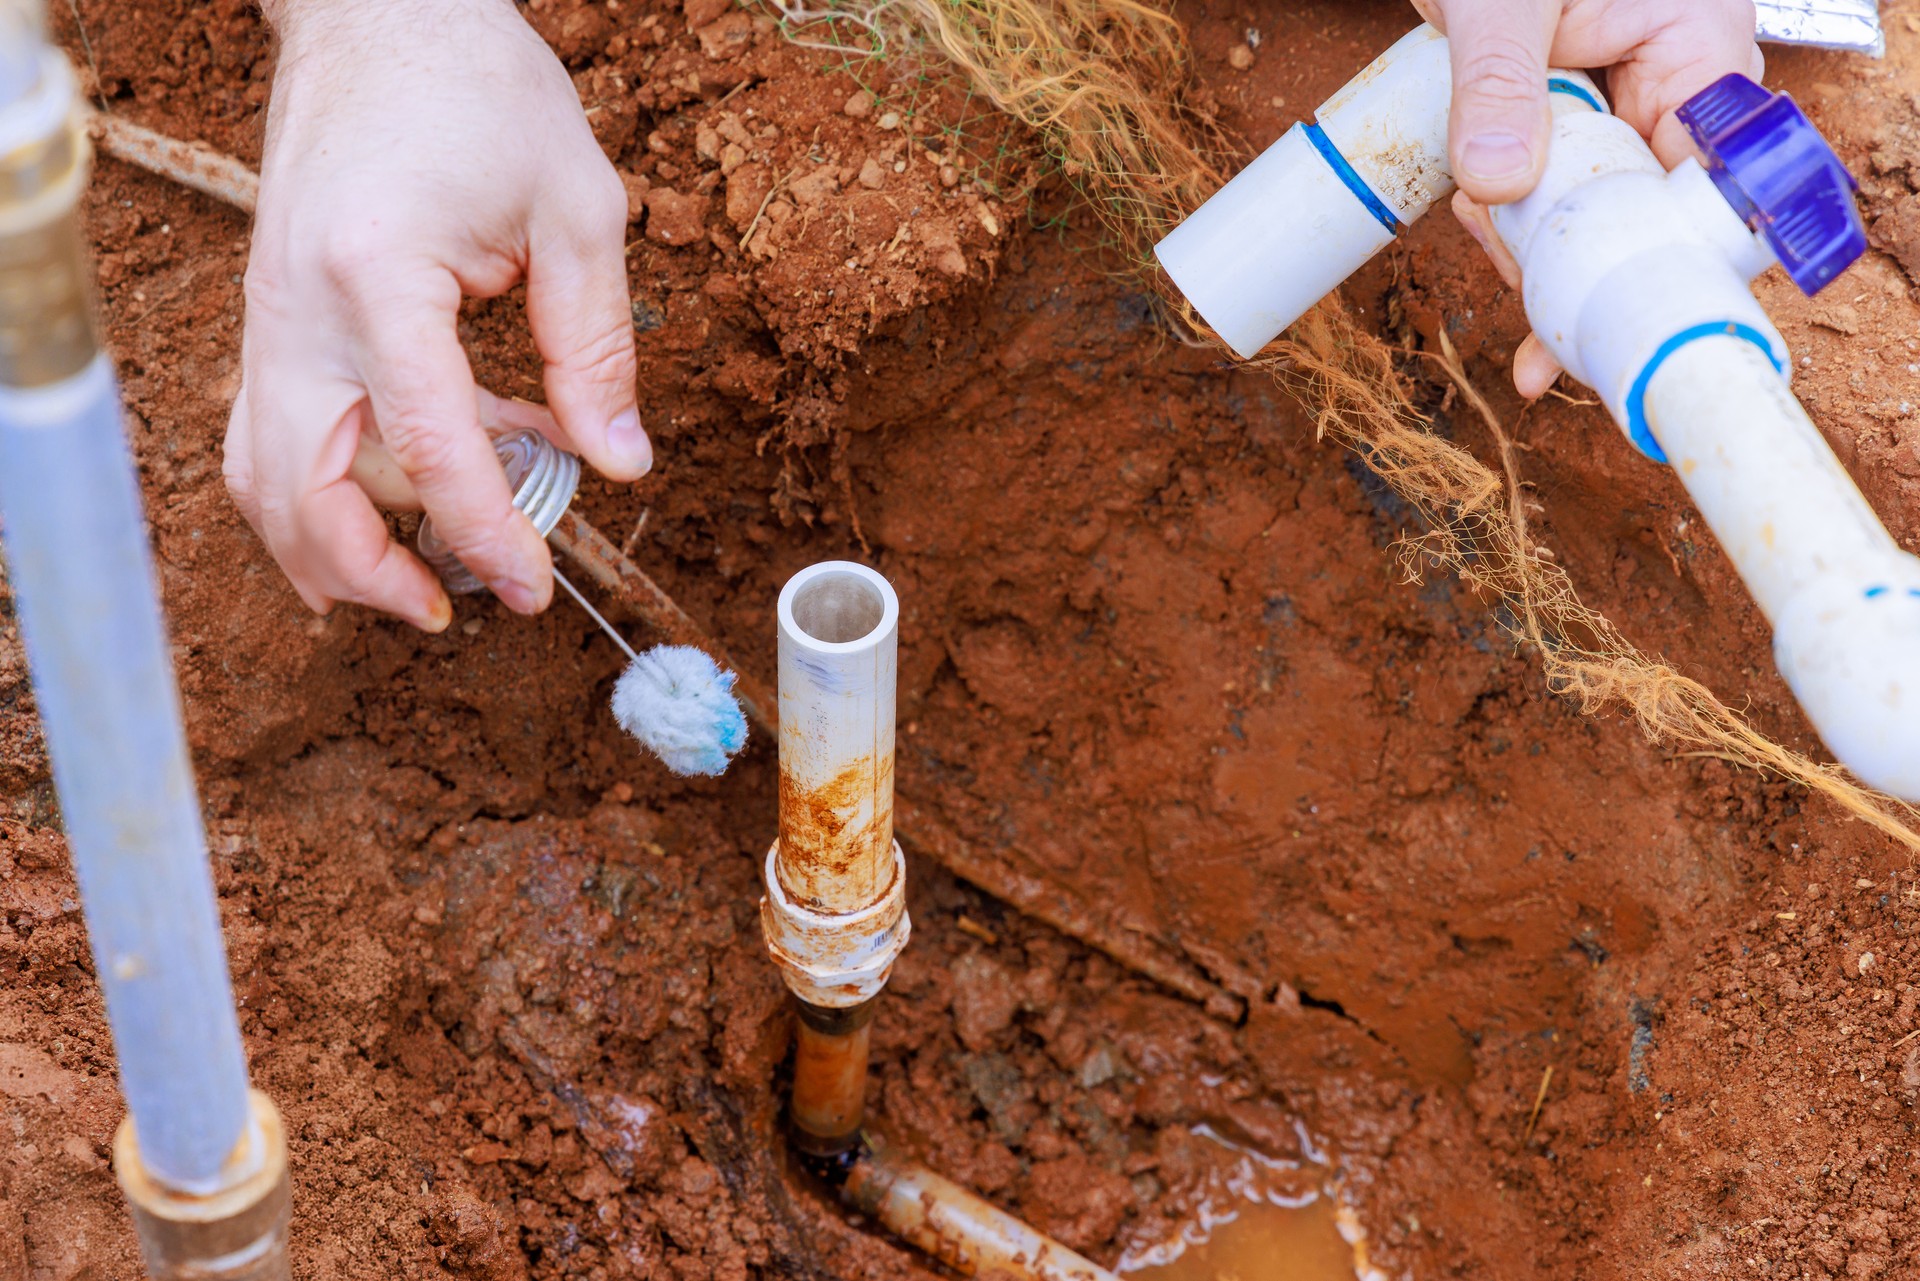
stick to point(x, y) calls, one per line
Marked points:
point(829, 1079)
point(956, 1227)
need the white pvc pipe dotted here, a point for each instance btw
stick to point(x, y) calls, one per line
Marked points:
point(23, 43)
point(102, 669)
point(1620, 258)
point(1843, 598)
point(839, 635)
point(963, 1231)
point(1316, 205)
point(1638, 281)
point(835, 912)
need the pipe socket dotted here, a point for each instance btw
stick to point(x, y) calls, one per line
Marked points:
point(237, 1232)
point(835, 913)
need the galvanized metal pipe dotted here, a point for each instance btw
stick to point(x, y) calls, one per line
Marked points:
point(956, 1227)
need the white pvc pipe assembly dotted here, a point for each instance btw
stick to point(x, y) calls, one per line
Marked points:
point(1638, 281)
point(835, 908)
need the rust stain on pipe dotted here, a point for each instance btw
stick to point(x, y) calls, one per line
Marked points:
point(191, 164)
point(836, 840)
point(930, 836)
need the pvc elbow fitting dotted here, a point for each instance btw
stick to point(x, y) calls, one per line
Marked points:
point(1318, 204)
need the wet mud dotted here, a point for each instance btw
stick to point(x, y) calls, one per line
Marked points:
point(1521, 993)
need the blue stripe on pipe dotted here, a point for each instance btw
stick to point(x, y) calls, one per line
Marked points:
point(1355, 183)
point(1574, 89)
point(1637, 430)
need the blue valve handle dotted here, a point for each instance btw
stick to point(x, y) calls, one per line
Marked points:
point(1780, 176)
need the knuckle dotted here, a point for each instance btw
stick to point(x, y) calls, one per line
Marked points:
point(607, 204)
point(1502, 71)
point(605, 356)
point(358, 585)
point(347, 251)
point(424, 448)
point(238, 475)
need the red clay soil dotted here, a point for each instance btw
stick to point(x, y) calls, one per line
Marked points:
point(503, 975)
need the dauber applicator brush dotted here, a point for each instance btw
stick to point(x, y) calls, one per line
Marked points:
point(674, 699)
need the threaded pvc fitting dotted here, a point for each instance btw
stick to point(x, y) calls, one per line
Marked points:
point(835, 960)
point(543, 477)
point(236, 1234)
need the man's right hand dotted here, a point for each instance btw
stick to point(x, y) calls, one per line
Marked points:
point(418, 151)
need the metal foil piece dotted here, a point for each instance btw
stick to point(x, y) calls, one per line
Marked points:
point(1850, 25)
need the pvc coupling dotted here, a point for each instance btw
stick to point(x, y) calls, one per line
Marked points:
point(1330, 194)
point(835, 911)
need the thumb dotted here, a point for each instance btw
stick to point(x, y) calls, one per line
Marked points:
point(1497, 135)
point(582, 321)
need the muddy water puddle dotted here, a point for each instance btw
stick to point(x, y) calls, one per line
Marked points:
point(1259, 1219)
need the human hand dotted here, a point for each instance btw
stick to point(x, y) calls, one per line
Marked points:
point(418, 151)
point(1658, 54)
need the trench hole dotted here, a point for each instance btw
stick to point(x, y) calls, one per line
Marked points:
point(839, 607)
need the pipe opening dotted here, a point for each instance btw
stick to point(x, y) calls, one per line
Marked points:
point(838, 608)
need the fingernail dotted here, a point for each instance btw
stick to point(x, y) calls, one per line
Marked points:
point(439, 616)
point(1492, 157)
point(517, 596)
point(628, 443)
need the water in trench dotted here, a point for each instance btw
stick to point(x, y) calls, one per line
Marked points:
point(1259, 1219)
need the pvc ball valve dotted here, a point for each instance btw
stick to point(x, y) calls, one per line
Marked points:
point(1638, 281)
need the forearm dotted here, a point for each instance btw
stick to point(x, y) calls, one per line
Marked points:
point(324, 23)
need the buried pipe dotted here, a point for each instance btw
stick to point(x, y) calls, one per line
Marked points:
point(835, 920)
point(1637, 281)
point(200, 1157)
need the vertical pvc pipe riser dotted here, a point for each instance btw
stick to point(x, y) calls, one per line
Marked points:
point(102, 669)
point(836, 748)
point(835, 911)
